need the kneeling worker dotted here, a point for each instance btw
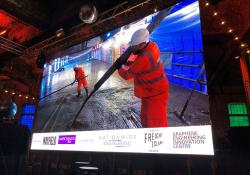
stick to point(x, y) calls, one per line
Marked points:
point(150, 82)
point(81, 79)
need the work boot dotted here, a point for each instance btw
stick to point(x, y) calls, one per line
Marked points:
point(87, 92)
point(79, 93)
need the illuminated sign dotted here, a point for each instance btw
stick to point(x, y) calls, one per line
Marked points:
point(171, 140)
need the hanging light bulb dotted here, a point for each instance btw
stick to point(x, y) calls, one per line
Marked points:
point(3, 32)
point(222, 22)
point(242, 45)
point(59, 32)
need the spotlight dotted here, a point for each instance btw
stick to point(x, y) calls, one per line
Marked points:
point(155, 10)
point(248, 51)
point(222, 22)
point(242, 45)
point(59, 33)
point(215, 13)
point(236, 38)
point(6, 91)
point(26, 97)
point(3, 32)
point(230, 30)
point(20, 95)
point(207, 4)
point(237, 57)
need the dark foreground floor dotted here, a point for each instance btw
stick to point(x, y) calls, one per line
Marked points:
point(113, 106)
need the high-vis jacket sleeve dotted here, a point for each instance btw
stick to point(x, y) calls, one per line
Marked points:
point(128, 72)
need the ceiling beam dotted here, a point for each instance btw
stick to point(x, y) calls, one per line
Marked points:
point(26, 11)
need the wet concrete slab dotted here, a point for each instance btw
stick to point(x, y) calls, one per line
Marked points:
point(113, 106)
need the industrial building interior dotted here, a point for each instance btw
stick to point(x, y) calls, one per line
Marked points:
point(205, 47)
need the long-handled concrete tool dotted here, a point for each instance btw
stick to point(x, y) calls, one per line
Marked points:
point(121, 60)
point(71, 84)
point(181, 115)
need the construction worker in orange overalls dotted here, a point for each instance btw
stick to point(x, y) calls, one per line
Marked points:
point(150, 82)
point(81, 79)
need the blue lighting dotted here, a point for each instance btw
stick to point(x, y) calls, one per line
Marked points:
point(27, 117)
point(29, 109)
point(180, 41)
point(108, 34)
point(27, 120)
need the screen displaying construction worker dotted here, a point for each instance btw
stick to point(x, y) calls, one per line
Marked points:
point(147, 74)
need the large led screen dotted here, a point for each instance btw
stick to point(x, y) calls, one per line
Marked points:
point(155, 106)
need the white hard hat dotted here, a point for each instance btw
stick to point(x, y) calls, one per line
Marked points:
point(140, 36)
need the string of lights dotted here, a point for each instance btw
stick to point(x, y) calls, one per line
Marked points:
point(243, 46)
point(11, 92)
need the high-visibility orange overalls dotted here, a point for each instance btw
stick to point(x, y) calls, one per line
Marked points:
point(150, 84)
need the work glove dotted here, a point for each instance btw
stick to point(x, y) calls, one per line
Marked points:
point(124, 57)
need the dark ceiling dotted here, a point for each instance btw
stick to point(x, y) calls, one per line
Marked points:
point(50, 15)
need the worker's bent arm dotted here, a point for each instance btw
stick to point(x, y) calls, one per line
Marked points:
point(123, 72)
point(128, 72)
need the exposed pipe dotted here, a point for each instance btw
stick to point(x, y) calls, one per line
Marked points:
point(118, 14)
point(10, 49)
point(9, 46)
point(12, 42)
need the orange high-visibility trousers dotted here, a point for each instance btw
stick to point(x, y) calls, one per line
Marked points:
point(83, 82)
point(154, 111)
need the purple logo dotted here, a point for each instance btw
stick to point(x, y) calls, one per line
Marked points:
point(67, 139)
